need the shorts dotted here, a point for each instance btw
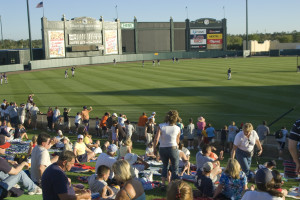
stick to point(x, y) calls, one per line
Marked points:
point(67, 124)
point(76, 125)
point(281, 145)
point(82, 158)
point(34, 117)
point(85, 121)
point(231, 138)
point(104, 128)
point(55, 119)
point(190, 137)
point(199, 133)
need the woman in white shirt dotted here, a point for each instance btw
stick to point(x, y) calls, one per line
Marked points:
point(243, 147)
point(169, 134)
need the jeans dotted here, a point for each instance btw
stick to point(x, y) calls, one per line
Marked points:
point(172, 154)
point(9, 181)
point(244, 158)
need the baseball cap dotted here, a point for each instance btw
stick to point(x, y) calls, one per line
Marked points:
point(84, 107)
point(112, 148)
point(131, 158)
point(115, 114)
point(59, 132)
point(263, 176)
point(80, 136)
point(3, 143)
point(208, 166)
point(154, 113)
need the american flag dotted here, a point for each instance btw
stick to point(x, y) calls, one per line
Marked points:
point(40, 5)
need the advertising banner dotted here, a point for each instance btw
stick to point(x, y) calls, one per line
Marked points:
point(214, 36)
point(56, 44)
point(215, 41)
point(126, 25)
point(85, 39)
point(198, 31)
point(214, 46)
point(214, 31)
point(199, 47)
point(111, 42)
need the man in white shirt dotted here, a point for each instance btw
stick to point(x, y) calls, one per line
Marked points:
point(40, 158)
point(34, 110)
point(107, 159)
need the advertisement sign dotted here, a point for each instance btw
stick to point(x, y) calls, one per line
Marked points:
point(56, 44)
point(199, 47)
point(214, 36)
point(85, 38)
point(127, 25)
point(215, 41)
point(214, 31)
point(111, 41)
point(214, 46)
point(198, 31)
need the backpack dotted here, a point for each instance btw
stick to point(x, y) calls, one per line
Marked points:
point(278, 134)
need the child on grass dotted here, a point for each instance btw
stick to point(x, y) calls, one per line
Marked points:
point(97, 182)
point(278, 182)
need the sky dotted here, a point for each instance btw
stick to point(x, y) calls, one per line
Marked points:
point(264, 16)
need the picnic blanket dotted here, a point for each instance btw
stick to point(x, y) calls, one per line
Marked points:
point(293, 193)
point(81, 168)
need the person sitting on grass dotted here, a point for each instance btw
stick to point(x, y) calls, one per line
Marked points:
point(136, 162)
point(124, 149)
point(233, 182)
point(11, 175)
point(67, 145)
point(203, 181)
point(32, 144)
point(204, 156)
point(149, 155)
point(132, 187)
point(82, 152)
point(183, 160)
point(265, 187)
point(179, 190)
point(97, 182)
point(95, 147)
point(104, 146)
point(56, 184)
point(20, 132)
point(279, 183)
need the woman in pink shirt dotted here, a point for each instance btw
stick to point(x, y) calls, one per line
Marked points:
point(200, 127)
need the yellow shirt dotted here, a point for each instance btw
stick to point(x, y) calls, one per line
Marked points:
point(80, 148)
point(86, 140)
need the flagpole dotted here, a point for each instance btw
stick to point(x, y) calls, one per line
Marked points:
point(187, 12)
point(117, 11)
point(43, 9)
point(29, 31)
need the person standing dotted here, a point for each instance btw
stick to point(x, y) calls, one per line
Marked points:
point(103, 125)
point(262, 131)
point(232, 130)
point(56, 117)
point(21, 113)
point(56, 184)
point(73, 71)
point(66, 73)
point(281, 141)
point(190, 133)
point(141, 126)
point(294, 138)
point(1, 78)
point(158, 62)
point(211, 132)
point(153, 63)
point(40, 157)
point(5, 78)
point(149, 131)
point(200, 127)
point(67, 124)
point(85, 114)
point(229, 73)
point(115, 62)
point(243, 147)
point(34, 110)
point(168, 134)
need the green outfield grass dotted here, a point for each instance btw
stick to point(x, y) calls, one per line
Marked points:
point(260, 89)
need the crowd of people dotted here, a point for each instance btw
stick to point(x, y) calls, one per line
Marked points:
point(117, 165)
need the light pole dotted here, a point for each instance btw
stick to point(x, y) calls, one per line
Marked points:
point(1, 32)
point(246, 24)
point(29, 31)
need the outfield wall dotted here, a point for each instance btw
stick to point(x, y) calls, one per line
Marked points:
point(41, 64)
point(11, 68)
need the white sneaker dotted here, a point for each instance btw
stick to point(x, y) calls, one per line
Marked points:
point(37, 190)
point(17, 186)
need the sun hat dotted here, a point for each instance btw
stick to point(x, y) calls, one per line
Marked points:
point(59, 132)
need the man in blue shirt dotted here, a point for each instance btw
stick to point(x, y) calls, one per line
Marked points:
point(55, 183)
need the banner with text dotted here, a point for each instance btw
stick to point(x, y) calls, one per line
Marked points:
point(56, 44)
point(198, 38)
point(111, 41)
point(214, 36)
